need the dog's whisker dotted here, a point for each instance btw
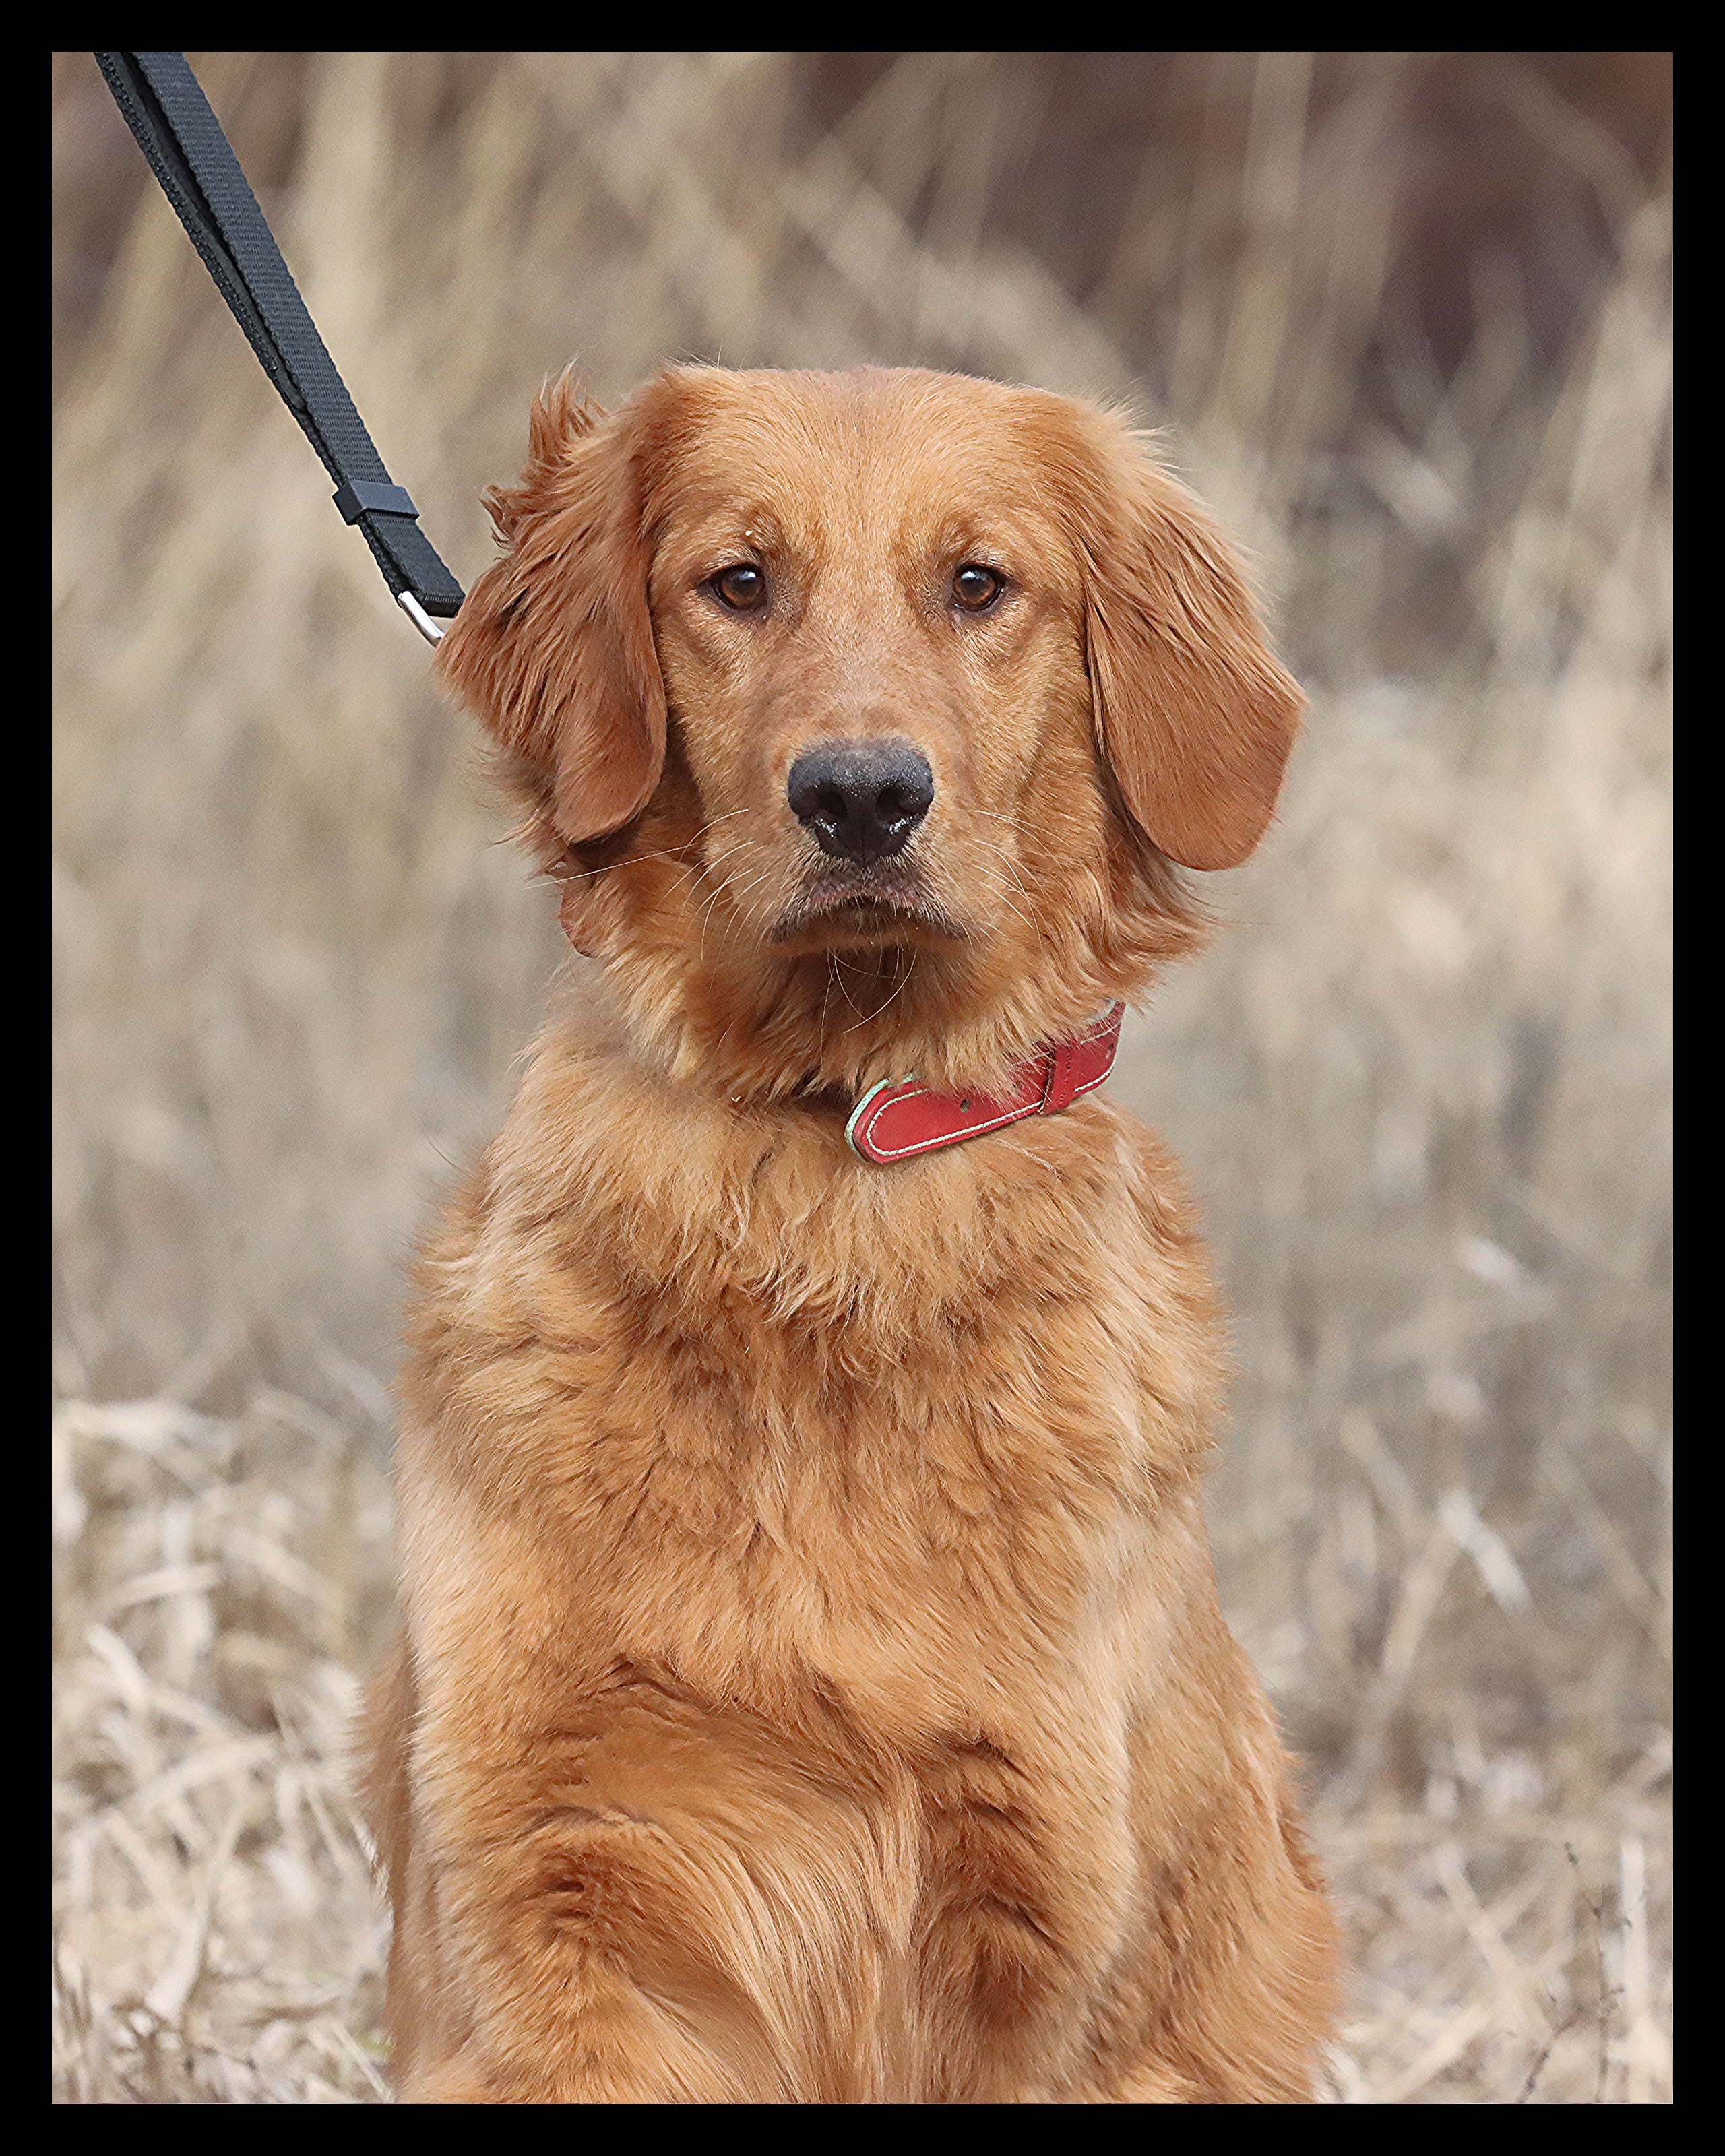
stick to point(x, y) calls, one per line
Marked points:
point(712, 860)
point(1000, 853)
point(825, 999)
point(849, 999)
point(661, 853)
point(1011, 870)
point(905, 982)
point(735, 894)
point(581, 875)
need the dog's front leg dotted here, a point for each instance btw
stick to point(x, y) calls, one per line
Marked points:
point(645, 1900)
point(578, 1973)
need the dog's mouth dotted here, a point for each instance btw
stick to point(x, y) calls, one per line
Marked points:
point(885, 903)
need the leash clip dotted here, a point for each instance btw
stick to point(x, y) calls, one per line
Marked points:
point(417, 614)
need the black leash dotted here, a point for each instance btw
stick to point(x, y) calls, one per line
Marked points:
point(163, 106)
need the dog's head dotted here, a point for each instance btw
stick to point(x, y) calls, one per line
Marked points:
point(862, 715)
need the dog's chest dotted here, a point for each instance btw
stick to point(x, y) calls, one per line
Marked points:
point(912, 1447)
point(909, 1519)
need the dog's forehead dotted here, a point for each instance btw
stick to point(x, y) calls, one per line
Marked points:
point(884, 453)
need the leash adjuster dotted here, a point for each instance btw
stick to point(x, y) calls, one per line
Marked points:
point(361, 497)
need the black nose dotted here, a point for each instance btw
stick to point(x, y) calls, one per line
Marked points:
point(860, 799)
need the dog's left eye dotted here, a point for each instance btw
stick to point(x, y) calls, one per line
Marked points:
point(742, 587)
point(977, 588)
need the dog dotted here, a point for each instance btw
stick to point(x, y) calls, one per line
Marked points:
point(813, 1687)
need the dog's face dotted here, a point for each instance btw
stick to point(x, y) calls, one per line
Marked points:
point(909, 682)
point(869, 623)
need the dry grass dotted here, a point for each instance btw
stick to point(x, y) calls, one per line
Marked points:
point(218, 1580)
point(1422, 1083)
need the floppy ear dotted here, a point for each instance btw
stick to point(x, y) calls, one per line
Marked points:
point(1194, 714)
point(553, 647)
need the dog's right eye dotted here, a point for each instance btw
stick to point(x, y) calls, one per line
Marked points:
point(742, 587)
point(976, 587)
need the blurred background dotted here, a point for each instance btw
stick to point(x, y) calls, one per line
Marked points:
point(1404, 319)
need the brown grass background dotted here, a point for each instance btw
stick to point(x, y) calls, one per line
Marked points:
point(1405, 318)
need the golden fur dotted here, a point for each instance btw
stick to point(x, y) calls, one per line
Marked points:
point(813, 1687)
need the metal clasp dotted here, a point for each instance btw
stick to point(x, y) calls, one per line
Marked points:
point(417, 614)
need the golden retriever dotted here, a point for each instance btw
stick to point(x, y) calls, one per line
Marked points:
point(812, 1688)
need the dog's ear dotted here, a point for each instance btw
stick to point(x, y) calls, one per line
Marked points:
point(1194, 716)
point(553, 646)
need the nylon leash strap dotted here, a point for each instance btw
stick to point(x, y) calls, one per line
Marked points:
point(160, 100)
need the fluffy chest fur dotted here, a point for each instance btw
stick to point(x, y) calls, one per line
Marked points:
point(775, 1412)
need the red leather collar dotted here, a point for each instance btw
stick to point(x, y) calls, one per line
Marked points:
point(897, 1120)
